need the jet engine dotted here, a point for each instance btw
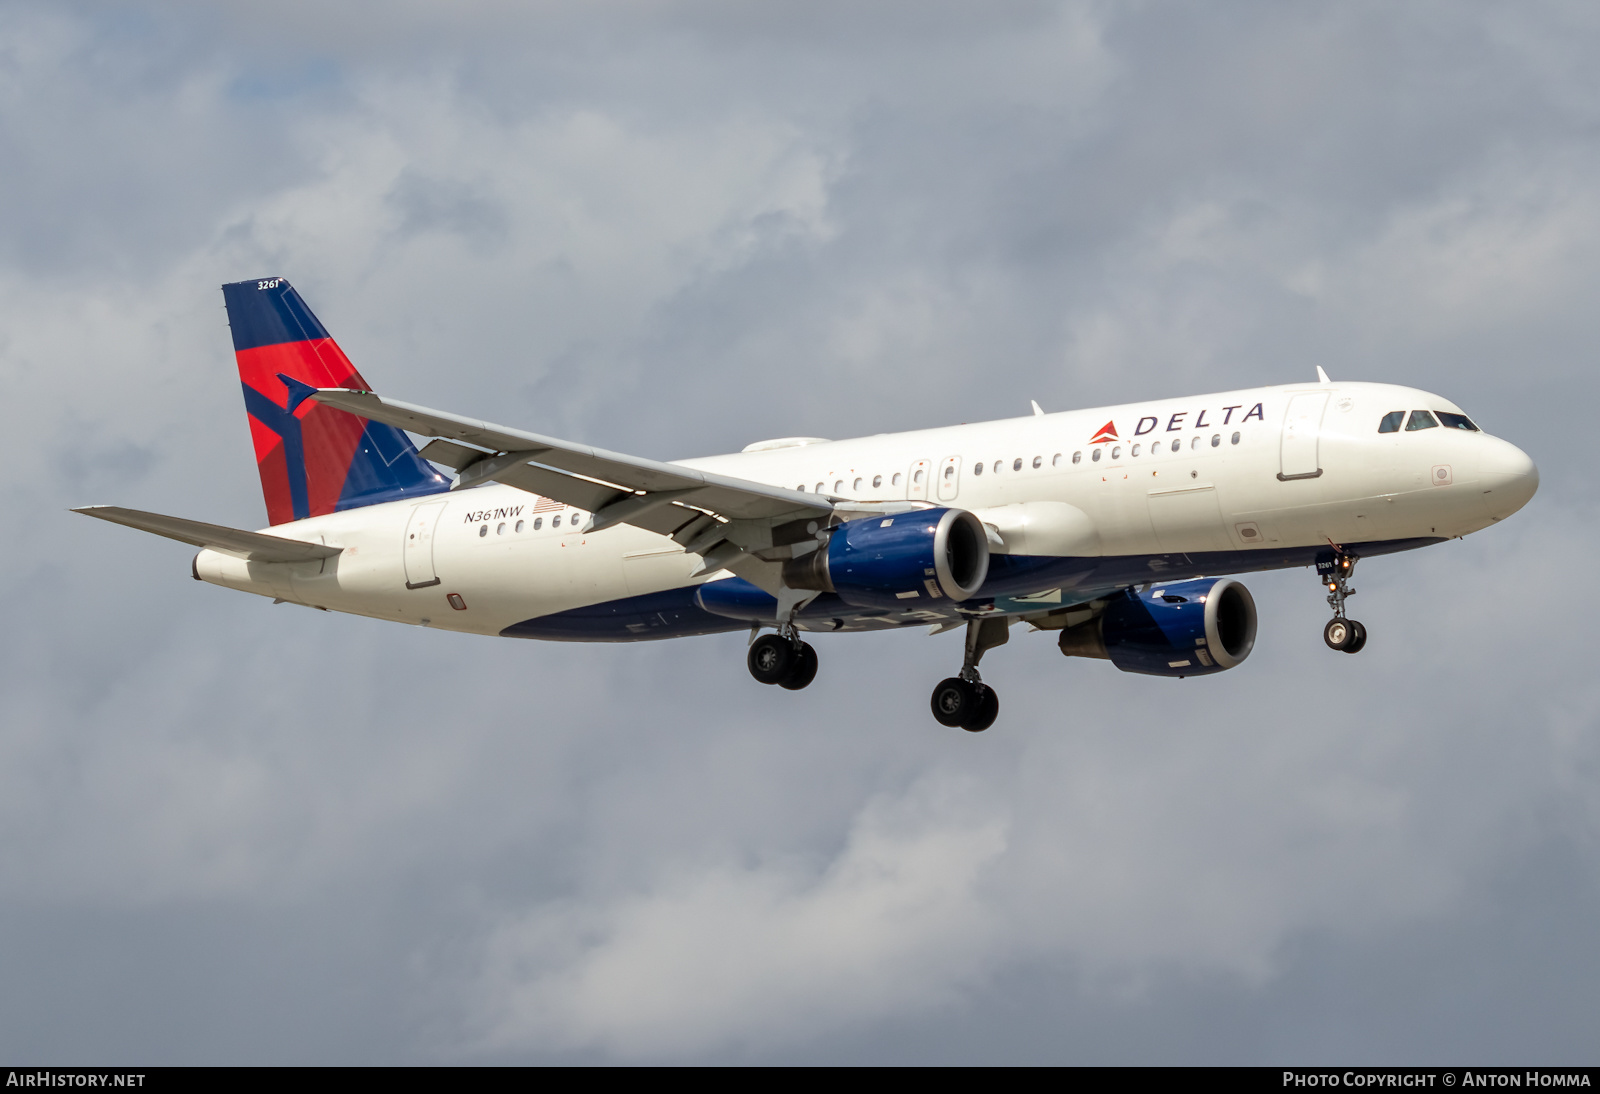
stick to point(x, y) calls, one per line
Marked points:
point(1187, 628)
point(895, 561)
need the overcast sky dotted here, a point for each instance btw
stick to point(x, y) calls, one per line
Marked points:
point(238, 832)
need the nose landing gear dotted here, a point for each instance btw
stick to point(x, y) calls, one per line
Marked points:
point(1342, 633)
point(965, 701)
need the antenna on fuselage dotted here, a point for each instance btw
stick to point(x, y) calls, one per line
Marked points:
point(1322, 377)
point(1038, 411)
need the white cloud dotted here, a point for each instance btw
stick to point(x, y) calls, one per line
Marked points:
point(771, 953)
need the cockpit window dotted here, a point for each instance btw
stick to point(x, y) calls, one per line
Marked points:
point(1391, 421)
point(1421, 419)
point(1456, 421)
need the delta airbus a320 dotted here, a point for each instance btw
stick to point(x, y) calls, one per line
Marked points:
point(1106, 527)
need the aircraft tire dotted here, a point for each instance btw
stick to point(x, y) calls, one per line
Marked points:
point(1358, 640)
point(954, 702)
point(1339, 633)
point(987, 711)
point(804, 671)
point(771, 659)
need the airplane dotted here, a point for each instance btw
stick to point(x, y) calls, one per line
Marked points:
point(1108, 527)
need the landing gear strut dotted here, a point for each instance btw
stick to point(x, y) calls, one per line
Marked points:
point(1342, 632)
point(965, 701)
point(783, 660)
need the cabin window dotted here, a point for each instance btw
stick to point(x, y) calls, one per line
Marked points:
point(483, 530)
point(501, 529)
point(1236, 438)
point(1421, 419)
point(857, 486)
point(1216, 439)
point(838, 487)
point(538, 523)
point(820, 485)
point(555, 521)
point(1016, 465)
point(1194, 444)
point(521, 524)
point(877, 481)
point(1391, 421)
point(1096, 456)
point(801, 488)
point(1116, 453)
point(1038, 462)
point(896, 480)
point(1055, 461)
point(1176, 444)
point(949, 472)
point(1135, 450)
point(918, 476)
point(1456, 421)
point(977, 468)
point(998, 464)
point(1077, 457)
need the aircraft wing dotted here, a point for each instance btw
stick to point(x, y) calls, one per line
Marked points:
point(253, 546)
point(699, 508)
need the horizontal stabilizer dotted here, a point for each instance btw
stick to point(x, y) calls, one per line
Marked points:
point(253, 546)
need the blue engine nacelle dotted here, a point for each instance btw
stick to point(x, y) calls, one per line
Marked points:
point(897, 561)
point(1187, 628)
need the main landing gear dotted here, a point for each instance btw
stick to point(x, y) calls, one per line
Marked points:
point(965, 701)
point(783, 660)
point(1342, 632)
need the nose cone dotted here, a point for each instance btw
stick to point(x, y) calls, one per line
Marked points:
point(1507, 478)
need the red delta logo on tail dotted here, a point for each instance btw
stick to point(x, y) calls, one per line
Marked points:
point(1107, 432)
point(313, 458)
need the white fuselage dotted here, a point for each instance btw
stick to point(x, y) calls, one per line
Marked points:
point(1243, 476)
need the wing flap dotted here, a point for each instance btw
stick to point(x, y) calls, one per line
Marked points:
point(452, 455)
point(568, 489)
point(253, 546)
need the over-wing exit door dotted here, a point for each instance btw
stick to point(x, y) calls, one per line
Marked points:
point(950, 478)
point(917, 481)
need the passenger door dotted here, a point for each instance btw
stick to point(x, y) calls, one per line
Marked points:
point(1302, 426)
point(418, 548)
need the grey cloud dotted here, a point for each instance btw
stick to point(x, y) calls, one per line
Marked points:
point(447, 205)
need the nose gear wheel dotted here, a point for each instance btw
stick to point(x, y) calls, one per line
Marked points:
point(1342, 633)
